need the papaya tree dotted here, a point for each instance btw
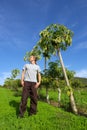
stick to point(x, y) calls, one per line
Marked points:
point(54, 71)
point(45, 48)
point(56, 75)
point(46, 84)
point(46, 56)
point(58, 37)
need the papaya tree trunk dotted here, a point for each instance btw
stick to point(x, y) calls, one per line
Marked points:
point(72, 101)
point(47, 94)
point(59, 96)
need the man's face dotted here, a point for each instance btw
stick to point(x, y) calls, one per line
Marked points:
point(32, 58)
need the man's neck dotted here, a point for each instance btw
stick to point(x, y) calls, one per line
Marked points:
point(33, 62)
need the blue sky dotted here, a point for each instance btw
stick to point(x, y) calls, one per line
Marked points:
point(21, 22)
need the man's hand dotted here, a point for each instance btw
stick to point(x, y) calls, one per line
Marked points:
point(37, 84)
point(22, 83)
point(22, 78)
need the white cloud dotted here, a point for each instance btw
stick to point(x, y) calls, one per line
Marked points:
point(83, 33)
point(67, 66)
point(3, 76)
point(73, 25)
point(82, 45)
point(81, 73)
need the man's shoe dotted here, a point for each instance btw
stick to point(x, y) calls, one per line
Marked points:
point(20, 116)
point(30, 114)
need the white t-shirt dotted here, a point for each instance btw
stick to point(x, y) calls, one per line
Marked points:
point(31, 71)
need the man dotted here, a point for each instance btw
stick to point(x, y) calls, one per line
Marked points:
point(30, 80)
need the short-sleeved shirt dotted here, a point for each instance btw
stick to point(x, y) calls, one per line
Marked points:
point(31, 71)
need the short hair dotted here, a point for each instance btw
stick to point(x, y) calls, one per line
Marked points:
point(34, 57)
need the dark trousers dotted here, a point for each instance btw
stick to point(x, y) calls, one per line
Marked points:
point(29, 90)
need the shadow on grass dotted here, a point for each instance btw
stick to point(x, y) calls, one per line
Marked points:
point(41, 98)
point(16, 105)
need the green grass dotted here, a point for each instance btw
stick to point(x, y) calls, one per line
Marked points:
point(81, 99)
point(48, 117)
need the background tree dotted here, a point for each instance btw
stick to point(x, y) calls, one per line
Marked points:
point(54, 71)
point(46, 57)
point(55, 76)
point(35, 52)
point(76, 83)
point(15, 73)
point(46, 83)
point(45, 49)
point(11, 82)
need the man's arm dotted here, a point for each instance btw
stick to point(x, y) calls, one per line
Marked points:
point(39, 80)
point(22, 78)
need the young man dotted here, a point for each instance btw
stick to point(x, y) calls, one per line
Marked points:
point(30, 80)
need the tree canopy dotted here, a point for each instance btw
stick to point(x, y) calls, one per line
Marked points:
point(55, 36)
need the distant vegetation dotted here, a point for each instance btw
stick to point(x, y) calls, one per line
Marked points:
point(83, 80)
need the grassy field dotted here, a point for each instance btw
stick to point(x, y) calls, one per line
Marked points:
point(47, 118)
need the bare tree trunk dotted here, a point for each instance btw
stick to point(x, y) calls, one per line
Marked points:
point(59, 96)
point(47, 95)
point(72, 101)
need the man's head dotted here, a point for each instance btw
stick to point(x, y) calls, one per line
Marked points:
point(32, 58)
